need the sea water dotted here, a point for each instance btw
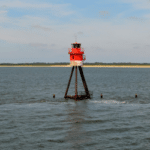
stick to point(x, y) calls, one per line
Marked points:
point(30, 118)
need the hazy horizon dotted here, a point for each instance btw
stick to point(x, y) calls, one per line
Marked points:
point(69, 63)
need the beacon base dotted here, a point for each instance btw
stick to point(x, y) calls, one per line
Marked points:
point(78, 97)
point(87, 94)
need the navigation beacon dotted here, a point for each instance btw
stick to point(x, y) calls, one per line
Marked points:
point(76, 61)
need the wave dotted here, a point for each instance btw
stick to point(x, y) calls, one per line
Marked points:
point(109, 102)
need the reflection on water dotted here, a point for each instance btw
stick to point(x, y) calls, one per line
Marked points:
point(76, 135)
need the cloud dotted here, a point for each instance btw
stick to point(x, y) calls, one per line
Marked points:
point(41, 27)
point(136, 18)
point(3, 12)
point(136, 47)
point(80, 33)
point(3, 16)
point(56, 9)
point(104, 14)
point(38, 45)
point(104, 35)
point(147, 16)
point(52, 45)
point(22, 4)
point(42, 46)
point(138, 4)
point(147, 46)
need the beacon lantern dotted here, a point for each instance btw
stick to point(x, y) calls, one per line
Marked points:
point(76, 54)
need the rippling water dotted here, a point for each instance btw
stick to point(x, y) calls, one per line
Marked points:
point(31, 119)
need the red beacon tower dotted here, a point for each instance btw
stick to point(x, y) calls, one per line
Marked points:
point(76, 61)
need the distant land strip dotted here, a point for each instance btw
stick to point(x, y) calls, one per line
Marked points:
point(100, 65)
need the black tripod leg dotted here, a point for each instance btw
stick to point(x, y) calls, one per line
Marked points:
point(69, 82)
point(84, 82)
point(76, 92)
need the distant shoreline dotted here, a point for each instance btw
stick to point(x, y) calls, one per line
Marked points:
point(88, 66)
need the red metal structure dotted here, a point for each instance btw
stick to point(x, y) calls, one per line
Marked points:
point(76, 60)
point(76, 54)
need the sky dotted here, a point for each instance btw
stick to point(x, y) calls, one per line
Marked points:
point(42, 31)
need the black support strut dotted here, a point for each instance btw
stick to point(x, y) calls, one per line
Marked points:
point(76, 96)
point(84, 82)
point(69, 82)
point(76, 92)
